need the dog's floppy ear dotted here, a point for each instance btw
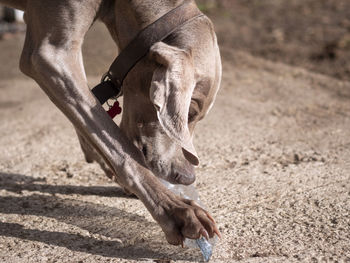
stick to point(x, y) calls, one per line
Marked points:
point(171, 91)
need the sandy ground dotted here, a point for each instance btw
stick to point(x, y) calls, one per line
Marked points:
point(275, 170)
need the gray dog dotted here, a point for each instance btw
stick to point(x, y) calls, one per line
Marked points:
point(165, 94)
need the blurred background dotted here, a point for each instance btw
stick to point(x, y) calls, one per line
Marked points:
point(314, 34)
point(11, 21)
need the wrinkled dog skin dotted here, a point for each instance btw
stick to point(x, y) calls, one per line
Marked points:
point(165, 95)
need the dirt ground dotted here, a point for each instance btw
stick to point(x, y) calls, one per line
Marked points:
point(274, 172)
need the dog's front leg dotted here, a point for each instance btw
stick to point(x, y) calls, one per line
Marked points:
point(52, 56)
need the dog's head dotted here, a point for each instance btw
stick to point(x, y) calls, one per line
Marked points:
point(166, 95)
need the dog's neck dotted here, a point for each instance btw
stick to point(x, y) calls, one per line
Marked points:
point(125, 18)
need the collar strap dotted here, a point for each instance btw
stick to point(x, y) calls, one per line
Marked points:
point(111, 84)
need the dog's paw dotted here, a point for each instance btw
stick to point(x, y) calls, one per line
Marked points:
point(182, 218)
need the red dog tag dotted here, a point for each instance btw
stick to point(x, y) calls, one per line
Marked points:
point(114, 110)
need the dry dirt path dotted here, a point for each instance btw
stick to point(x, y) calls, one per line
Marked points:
point(275, 170)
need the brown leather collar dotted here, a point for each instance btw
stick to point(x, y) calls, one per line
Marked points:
point(111, 84)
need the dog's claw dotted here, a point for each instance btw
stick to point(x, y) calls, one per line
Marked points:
point(204, 233)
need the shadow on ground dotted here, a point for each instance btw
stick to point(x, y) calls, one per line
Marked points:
point(111, 232)
point(18, 183)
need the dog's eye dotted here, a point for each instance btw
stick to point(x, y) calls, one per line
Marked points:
point(192, 115)
point(193, 111)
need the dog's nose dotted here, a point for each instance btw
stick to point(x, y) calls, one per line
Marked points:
point(184, 175)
